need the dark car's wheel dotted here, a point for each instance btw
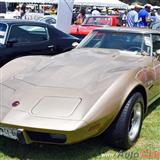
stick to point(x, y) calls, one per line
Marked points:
point(125, 130)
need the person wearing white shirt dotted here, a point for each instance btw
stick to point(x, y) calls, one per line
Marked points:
point(95, 12)
point(17, 12)
point(132, 17)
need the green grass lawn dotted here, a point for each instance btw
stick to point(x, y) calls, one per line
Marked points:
point(91, 149)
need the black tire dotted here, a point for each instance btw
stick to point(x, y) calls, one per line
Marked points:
point(121, 134)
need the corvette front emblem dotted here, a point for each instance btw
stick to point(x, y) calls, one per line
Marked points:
point(15, 104)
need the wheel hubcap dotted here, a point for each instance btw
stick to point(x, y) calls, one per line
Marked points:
point(135, 121)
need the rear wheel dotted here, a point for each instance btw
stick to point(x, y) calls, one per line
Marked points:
point(125, 129)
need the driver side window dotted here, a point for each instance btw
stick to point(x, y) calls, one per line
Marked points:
point(28, 33)
point(18, 34)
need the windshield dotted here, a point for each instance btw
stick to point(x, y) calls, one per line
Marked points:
point(3, 29)
point(134, 42)
point(98, 21)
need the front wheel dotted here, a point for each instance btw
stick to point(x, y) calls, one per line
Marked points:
point(125, 129)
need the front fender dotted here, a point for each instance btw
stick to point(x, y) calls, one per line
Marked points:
point(111, 102)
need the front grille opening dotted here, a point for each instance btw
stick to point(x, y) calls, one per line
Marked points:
point(46, 137)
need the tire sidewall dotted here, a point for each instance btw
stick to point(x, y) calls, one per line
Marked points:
point(135, 98)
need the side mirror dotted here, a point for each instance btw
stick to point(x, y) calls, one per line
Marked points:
point(158, 53)
point(11, 42)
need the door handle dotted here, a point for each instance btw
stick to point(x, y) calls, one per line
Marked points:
point(51, 46)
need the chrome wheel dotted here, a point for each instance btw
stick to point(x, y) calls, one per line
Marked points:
point(125, 129)
point(135, 121)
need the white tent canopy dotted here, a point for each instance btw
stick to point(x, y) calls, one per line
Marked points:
point(29, 1)
point(103, 3)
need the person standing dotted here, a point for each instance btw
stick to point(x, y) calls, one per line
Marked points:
point(155, 21)
point(132, 17)
point(23, 9)
point(95, 11)
point(81, 16)
point(124, 18)
point(17, 12)
point(144, 16)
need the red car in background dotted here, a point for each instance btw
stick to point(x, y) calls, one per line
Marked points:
point(93, 22)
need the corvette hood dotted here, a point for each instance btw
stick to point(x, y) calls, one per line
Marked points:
point(71, 82)
point(81, 69)
point(86, 69)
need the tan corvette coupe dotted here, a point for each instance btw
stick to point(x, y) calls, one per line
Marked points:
point(104, 86)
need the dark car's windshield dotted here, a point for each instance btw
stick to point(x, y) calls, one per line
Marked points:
point(3, 30)
point(117, 40)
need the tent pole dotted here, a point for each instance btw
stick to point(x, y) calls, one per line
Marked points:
point(64, 16)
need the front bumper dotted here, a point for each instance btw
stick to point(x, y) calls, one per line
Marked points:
point(37, 129)
point(28, 135)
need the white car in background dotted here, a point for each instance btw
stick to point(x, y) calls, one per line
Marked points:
point(49, 19)
point(8, 15)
